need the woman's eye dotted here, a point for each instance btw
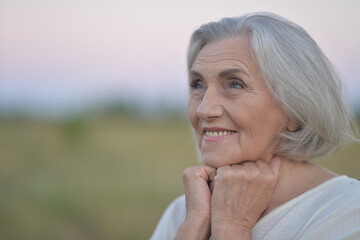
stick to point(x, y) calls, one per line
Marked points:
point(196, 84)
point(236, 84)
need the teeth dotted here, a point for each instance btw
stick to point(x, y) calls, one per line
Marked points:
point(218, 134)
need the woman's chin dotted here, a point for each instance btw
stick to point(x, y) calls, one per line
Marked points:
point(211, 162)
point(216, 162)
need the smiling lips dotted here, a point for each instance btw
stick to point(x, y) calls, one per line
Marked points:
point(217, 134)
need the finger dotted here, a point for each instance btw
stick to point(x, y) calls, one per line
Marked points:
point(269, 173)
point(246, 170)
point(209, 171)
point(275, 165)
point(212, 175)
point(248, 164)
point(212, 185)
point(223, 173)
point(197, 173)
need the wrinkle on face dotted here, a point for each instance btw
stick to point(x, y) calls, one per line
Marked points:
point(252, 111)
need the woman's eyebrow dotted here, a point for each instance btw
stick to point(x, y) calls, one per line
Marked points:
point(195, 74)
point(230, 71)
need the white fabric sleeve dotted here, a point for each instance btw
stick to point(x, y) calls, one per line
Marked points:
point(339, 220)
point(171, 220)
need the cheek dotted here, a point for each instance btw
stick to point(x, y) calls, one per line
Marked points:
point(192, 114)
point(267, 136)
point(194, 120)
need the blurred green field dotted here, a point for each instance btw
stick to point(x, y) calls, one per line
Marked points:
point(99, 178)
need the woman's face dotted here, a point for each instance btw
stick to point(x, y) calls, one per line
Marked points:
point(231, 108)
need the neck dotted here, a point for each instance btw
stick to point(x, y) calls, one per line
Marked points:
point(296, 178)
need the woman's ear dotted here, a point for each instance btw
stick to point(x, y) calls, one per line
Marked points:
point(292, 126)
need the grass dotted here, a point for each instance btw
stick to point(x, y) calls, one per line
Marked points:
point(99, 178)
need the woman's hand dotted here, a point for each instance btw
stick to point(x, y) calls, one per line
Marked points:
point(241, 194)
point(198, 202)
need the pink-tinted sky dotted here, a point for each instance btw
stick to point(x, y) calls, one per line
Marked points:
point(63, 54)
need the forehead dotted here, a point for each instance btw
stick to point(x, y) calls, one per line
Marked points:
point(234, 52)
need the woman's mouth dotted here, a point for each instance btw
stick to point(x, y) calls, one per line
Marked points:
point(218, 134)
point(215, 135)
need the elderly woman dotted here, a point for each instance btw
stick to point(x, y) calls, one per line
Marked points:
point(264, 100)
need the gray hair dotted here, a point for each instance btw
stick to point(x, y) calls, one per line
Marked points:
point(302, 80)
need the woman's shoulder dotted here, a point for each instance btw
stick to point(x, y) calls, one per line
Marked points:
point(341, 187)
point(171, 220)
point(331, 191)
point(330, 210)
point(340, 194)
point(337, 212)
point(330, 196)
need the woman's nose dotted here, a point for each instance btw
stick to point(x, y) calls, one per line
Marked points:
point(210, 106)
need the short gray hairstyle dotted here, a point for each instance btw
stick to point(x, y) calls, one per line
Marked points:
point(302, 80)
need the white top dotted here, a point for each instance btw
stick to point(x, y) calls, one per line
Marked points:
point(329, 211)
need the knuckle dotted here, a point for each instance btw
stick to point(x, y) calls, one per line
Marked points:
point(268, 178)
point(239, 174)
point(260, 164)
point(255, 173)
point(248, 164)
point(223, 173)
point(195, 172)
point(247, 170)
point(189, 172)
point(220, 170)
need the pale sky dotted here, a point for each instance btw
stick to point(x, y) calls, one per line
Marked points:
point(63, 54)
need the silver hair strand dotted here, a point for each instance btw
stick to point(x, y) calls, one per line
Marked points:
point(302, 80)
